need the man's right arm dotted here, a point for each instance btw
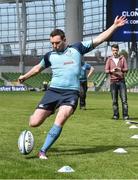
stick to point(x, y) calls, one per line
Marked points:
point(35, 70)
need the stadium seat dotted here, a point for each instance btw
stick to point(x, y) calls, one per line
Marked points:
point(34, 82)
point(1, 82)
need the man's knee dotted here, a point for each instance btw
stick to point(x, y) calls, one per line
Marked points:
point(38, 117)
point(33, 122)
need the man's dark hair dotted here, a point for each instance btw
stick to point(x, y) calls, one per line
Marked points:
point(115, 46)
point(57, 32)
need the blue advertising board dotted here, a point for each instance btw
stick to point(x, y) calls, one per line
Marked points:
point(129, 9)
point(13, 88)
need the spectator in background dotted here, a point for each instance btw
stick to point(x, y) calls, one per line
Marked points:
point(116, 67)
point(86, 72)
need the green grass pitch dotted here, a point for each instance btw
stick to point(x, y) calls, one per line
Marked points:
point(86, 144)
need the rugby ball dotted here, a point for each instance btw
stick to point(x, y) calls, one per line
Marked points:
point(25, 142)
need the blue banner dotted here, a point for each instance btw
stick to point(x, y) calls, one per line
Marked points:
point(13, 88)
point(129, 9)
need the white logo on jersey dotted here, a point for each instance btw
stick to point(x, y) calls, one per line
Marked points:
point(41, 105)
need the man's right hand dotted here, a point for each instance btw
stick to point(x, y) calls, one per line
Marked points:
point(21, 79)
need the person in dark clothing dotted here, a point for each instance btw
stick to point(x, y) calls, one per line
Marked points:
point(86, 72)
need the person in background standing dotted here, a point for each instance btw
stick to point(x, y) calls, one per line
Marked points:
point(116, 67)
point(86, 72)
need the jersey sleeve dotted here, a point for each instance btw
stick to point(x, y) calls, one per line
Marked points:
point(84, 46)
point(42, 63)
point(87, 45)
point(45, 63)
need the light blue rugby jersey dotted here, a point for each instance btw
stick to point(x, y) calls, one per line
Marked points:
point(66, 65)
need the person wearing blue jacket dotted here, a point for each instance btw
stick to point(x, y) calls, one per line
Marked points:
point(86, 72)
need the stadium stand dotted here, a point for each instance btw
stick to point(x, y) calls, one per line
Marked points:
point(1, 82)
point(98, 79)
point(132, 78)
point(39, 19)
point(37, 81)
point(10, 76)
point(34, 82)
point(14, 60)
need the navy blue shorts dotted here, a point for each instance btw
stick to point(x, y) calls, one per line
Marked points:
point(55, 98)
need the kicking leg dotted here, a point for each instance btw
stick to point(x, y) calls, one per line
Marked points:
point(62, 115)
point(38, 117)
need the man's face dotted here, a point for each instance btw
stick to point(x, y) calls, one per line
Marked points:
point(115, 52)
point(58, 44)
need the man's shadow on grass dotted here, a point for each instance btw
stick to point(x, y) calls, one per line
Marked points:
point(85, 150)
point(133, 118)
point(92, 109)
point(80, 150)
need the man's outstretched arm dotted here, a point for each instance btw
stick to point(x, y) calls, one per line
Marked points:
point(118, 22)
